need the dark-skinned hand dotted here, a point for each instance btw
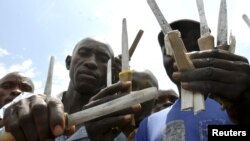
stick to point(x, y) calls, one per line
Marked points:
point(223, 76)
point(37, 118)
point(108, 127)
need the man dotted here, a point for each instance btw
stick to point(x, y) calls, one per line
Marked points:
point(218, 73)
point(87, 70)
point(12, 85)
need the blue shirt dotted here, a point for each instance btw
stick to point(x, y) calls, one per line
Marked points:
point(172, 124)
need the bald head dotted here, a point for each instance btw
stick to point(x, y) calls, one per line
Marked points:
point(90, 41)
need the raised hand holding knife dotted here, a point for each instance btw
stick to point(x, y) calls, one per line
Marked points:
point(174, 43)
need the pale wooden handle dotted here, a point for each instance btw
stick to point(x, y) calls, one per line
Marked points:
point(206, 42)
point(232, 43)
point(112, 106)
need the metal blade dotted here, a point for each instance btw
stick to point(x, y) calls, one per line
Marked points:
point(222, 24)
point(109, 73)
point(125, 52)
point(246, 19)
point(204, 29)
point(48, 85)
point(135, 43)
point(165, 27)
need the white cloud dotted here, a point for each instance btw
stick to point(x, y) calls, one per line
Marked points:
point(25, 68)
point(3, 52)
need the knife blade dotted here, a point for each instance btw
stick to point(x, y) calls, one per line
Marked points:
point(109, 73)
point(165, 27)
point(206, 41)
point(246, 19)
point(222, 25)
point(48, 85)
point(135, 43)
point(125, 52)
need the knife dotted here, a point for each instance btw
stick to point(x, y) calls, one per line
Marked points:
point(125, 74)
point(103, 109)
point(174, 43)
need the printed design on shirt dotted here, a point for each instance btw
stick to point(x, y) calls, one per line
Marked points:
point(203, 127)
point(174, 131)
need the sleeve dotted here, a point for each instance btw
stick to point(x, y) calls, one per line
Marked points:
point(80, 135)
point(142, 133)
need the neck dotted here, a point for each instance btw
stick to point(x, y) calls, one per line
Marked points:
point(74, 101)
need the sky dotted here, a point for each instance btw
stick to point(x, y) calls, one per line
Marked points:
point(34, 30)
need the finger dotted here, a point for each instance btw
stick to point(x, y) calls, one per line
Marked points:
point(113, 89)
point(217, 53)
point(222, 90)
point(209, 73)
point(40, 115)
point(220, 63)
point(11, 124)
point(56, 116)
point(26, 121)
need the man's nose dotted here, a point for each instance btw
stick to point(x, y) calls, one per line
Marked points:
point(91, 63)
point(16, 91)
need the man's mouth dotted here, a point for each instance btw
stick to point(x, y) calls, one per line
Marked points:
point(87, 75)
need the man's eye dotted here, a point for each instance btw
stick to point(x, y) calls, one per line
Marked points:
point(26, 88)
point(6, 85)
point(104, 59)
point(83, 53)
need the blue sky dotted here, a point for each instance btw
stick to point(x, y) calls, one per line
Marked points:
point(32, 31)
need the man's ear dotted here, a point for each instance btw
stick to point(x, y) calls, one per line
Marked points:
point(67, 62)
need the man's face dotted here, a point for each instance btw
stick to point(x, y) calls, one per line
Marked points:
point(12, 85)
point(88, 67)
